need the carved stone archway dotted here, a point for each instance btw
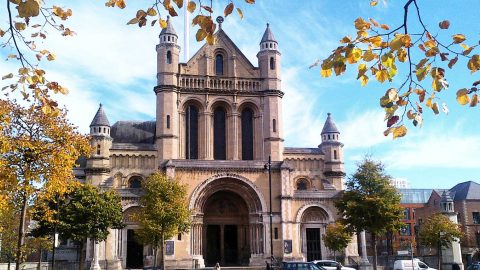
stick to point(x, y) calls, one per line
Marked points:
point(218, 194)
point(313, 219)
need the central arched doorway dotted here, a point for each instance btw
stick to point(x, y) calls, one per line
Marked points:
point(226, 224)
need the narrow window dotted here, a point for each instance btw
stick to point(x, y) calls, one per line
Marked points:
point(98, 149)
point(219, 64)
point(334, 154)
point(274, 124)
point(219, 134)
point(476, 217)
point(179, 237)
point(104, 130)
point(247, 134)
point(302, 184)
point(276, 233)
point(191, 130)
point(168, 121)
point(168, 38)
point(169, 57)
point(329, 136)
point(272, 63)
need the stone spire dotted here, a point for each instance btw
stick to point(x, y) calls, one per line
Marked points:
point(268, 41)
point(169, 30)
point(100, 118)
point(329, 127)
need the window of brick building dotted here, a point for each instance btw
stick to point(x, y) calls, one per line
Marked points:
point(476, 217)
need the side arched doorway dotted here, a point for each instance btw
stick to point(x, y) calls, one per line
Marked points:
point(227, 224)
point(313, 222)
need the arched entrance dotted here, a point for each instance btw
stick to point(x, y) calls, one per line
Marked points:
point(227, 224)
point(313, 222)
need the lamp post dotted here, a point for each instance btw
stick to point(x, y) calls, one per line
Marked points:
point(269, 167)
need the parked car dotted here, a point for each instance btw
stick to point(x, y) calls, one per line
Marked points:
point(300, 266)
point(331, 265)
point(474, 266)
point(414, 264)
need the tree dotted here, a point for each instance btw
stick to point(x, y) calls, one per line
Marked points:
point(38, 152)
point(164, 212)
point(336, 237)
point(439, 232)
point(370, 203)
point(83, 213)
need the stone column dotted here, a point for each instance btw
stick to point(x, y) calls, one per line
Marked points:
point(234, 135)
point(95, 265)
point(364, 263)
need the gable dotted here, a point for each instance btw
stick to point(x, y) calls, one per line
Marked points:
point(197, 65)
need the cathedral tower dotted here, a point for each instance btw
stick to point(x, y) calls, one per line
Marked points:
point(98, 165)
point(269, 66)
point(167, 117)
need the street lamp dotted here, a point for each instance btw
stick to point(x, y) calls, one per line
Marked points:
point(269, 167)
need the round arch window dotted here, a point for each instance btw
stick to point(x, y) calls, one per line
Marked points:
point(135, 182)
point(302, 184)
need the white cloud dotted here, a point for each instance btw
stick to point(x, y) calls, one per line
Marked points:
point(363, 129)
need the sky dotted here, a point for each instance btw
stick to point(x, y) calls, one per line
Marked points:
point(112, 63)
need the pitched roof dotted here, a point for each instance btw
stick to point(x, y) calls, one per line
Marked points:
point(100, 118)
point(169, 29)
point(268, 35)
point(329, 126)
point(466, 191)
point(133, 132)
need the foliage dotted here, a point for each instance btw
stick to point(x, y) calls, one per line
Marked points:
point(37, 153)
point(164, 210)
point(439, 230)
point(377, 50)
point(370, 202)
point(336, 237)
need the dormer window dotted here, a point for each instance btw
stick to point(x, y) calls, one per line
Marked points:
point(219, 64)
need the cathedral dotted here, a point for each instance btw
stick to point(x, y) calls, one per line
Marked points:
point(218, 123)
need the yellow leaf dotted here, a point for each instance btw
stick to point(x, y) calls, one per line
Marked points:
point(250, 1)
point(462, 96)
point(240, 13)
point(179, 3)
point(381, 75)
point(8, 76)
point(354, 55)
point(191, 6)
point(325, 73)
point(474, 100)
point(23, 71)
point(437, 85)
point(133, 21)
point(402, 55)
point(210, 39)
point(458, 38)
point(228, 9)
point(163, 23)
point(376, 41)
point(373, 3)
point(201, 35)
point(430, 44)
point(30, 8)
point(346, 39)
point(399, 132)
point(369, 56)
point(422, 72)
point(474, 63)
point(388, 59)
point(121, 4)
point(151, 12)
point(51, 57)
point(385, 27)
point(20, 26)
point(396, 43)
point(373, 22)
point(363, 80)
point(361, 24)
point(429, 103)
point(362, 68)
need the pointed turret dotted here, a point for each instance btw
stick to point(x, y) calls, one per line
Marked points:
point(168, 34)
point(268, 41)
point(330, 131)
point(100, 125)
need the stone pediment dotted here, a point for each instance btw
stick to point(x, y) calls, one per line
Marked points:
point(236, 63)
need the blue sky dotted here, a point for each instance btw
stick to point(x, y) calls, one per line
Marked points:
point(115, 64)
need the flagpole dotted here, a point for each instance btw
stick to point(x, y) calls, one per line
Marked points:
point(186, 35)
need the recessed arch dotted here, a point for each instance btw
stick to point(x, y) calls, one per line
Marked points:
point(329, 215)
point(303, 183)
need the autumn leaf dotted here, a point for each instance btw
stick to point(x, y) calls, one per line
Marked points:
point(20, 26)
point(385, 27)
point(210, 39)
point(8, 76)
point(207, 8)
point(163, 23)
point(133, 21)
point(179, 3)
point(381, 75)
point(458, 38)
point(373, 3)
point(444, 24)
point(201, 35)
point(51, 57)
point(474, 63)
point(399, 132)
point(369, 56)
point(30, 8)
point(151, 12)
point(363, 80)
point(250, 1)
point(462, 96)
point(228, 9)
point(435, 108)
point(392, 120)
point(191, 6)
point(120, 4)
point(240, 13)
point(474, 101)
point(361, 24)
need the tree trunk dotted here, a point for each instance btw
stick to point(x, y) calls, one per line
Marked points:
point(374, 242)
point(21, 232)
point(155, 258)
point(81, 259)
point(40, 258)
point(162, 245)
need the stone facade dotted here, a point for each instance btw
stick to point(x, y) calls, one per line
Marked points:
point(218, 120)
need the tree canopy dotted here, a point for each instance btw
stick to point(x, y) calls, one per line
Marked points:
point(164, 211)
point(370, 202)
point(337, 237)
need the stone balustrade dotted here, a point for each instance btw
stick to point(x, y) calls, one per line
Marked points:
point(218, 83)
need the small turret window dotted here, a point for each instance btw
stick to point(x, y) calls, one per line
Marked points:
point(329, 136)
point(274, 125)
point(168, 38)
point(335, 154)
point(98, 149)
point(272, 63)
point(169, 57)
point(168, 121)
point(219, 64)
